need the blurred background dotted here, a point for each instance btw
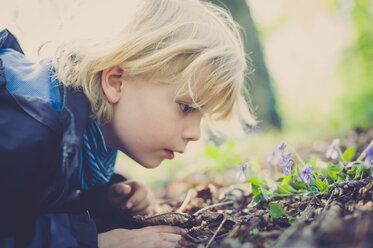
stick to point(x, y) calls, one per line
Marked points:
point(310, 76)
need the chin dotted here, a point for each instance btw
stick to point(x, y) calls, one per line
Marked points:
point(150, 164)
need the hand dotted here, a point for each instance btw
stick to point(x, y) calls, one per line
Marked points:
point(152, 236)
point(133, 196)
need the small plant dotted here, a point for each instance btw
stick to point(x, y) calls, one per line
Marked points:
point(306, 178)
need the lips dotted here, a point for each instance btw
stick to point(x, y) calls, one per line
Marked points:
point(169, 153)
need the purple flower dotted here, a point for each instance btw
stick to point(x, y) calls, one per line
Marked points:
point(241, 174)
point(285, 159)
point(279, 158)
point(282, 146)
point(368, 157)
point(332, 151)
point(287, 169)
point(306, 174)
point(276, 156)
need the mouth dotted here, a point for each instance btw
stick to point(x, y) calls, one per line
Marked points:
point(169, 154)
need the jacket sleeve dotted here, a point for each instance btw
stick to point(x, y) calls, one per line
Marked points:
point(106, 216)
point(95, 201)
point(30, 160)
point(57, 230)
point(22, 223)
point(27, 168)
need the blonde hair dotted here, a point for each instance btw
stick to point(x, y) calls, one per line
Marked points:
point(180, 41)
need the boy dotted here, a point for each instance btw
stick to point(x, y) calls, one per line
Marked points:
point(142, 91)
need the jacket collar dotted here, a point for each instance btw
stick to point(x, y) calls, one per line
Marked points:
point(7, 40)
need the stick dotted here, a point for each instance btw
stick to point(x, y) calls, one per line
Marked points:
point(327, 203)
point(212, 206)
point(186, 200)
point(362, 155)
point(216, 232)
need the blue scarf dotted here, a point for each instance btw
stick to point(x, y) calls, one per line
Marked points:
point(96, 160)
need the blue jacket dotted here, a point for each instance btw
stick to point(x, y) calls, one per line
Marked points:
point(39, 152)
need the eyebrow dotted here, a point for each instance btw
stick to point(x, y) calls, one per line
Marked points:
point(188, 100)
point(185, 98)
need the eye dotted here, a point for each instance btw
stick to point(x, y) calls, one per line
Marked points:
point(185, 108)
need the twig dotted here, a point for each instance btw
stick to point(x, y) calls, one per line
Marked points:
point(306, 211)
point(362, 155)
point(229, 195)
point(212, 206)
point(216, 232)
point(290, 194)
point(186, 200)
point(327, 203)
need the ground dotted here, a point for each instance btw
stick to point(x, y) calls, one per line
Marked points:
point(218, 215)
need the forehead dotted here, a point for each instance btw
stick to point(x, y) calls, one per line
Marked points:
point(191, 84)
point(205, 87)
point(190, 88)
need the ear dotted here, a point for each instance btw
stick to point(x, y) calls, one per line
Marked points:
point(112, 83)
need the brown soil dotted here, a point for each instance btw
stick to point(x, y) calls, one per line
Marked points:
point(221, 216)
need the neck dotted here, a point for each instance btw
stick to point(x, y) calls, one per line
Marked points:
point(107, 135)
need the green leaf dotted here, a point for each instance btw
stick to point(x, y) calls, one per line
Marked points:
point(313, 188)
point(349, 153)
point(359, 171)
point(280, 179)
point(266, 194)
point(256, 189)
point(321, 185)
point(333, 170)
point(255, 232)
point(286, 179)
point(298, 185)
point(257, 199)
point(256, 180)
point(285, 189)
point(291, 220)
point(288, 188)
point(276, 211)
point(352, 171)
point(283, 179)
point(326, 189)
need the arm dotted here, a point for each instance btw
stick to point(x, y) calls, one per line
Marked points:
point(96, 201)
point(30, 161)
point(56, 230)
point(107, 204)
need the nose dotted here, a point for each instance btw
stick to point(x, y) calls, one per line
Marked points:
point(192, 128)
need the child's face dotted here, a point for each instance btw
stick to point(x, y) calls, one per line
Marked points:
point(149, 125)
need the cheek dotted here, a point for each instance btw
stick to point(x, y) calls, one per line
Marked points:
point(161, 124)
point(142, 126)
